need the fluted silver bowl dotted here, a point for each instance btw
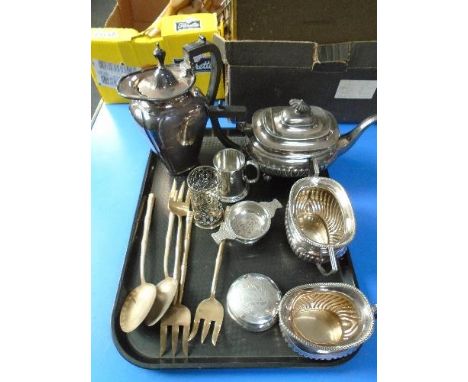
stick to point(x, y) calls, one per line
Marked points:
point(325, 200)
point(325, 321)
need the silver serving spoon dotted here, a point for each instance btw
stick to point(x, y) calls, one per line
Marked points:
point(315, 228)
point(140, 300)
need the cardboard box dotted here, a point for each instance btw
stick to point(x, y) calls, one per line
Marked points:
point(116, 50)
point(323, 51)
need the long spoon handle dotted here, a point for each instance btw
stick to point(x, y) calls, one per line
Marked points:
point(170, 227)
point(183, 271)
point(144, 239)
point(219, 259)
point(178, 248)
point(333, 263)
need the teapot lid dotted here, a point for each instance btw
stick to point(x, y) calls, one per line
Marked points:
point(295, 128)
point(159, 83)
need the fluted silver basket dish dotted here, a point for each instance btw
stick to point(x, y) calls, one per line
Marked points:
point(319, 221)
point(325, 321)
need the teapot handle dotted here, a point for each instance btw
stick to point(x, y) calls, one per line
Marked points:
point(202, 46)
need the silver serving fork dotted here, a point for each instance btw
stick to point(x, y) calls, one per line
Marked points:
point(178, 314)
point(210, 309)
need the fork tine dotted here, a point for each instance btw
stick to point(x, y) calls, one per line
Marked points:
point(162, 340)
point(180, 196)
point(174, 187)
point(216, 330)
point(173, 192)
point(185, 334)
point(196, 323)
point(175, 336)
point(206, 328)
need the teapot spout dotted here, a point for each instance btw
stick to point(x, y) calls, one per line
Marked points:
point(347, 140)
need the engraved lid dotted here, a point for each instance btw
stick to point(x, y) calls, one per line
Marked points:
point(252, 301)
point(159, 83)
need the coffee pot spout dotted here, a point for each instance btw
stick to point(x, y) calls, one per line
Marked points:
point(347, 140)
point(137, 113)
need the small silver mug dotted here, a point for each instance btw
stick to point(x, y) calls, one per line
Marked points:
point(231, 165)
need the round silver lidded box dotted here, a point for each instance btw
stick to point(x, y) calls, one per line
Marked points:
point(253, 302)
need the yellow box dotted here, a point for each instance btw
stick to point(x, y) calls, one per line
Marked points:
point(116, 51)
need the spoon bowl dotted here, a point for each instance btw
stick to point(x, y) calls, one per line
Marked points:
point(167, 289)
point(136, 307)
point(314, 227)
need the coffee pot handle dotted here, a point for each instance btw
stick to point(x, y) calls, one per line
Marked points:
point(237, 113)
point(202, 46)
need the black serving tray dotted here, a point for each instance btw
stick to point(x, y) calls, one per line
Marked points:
point(271, 256)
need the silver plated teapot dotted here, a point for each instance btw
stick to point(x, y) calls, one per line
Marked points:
point(286, 141)
point(171, 110)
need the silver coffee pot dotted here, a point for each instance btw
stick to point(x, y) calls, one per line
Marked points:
point(171, 110)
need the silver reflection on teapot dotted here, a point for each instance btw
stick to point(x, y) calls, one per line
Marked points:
point(231, 165)
point(284, 140)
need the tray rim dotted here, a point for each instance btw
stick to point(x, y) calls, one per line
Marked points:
point(182, 363)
